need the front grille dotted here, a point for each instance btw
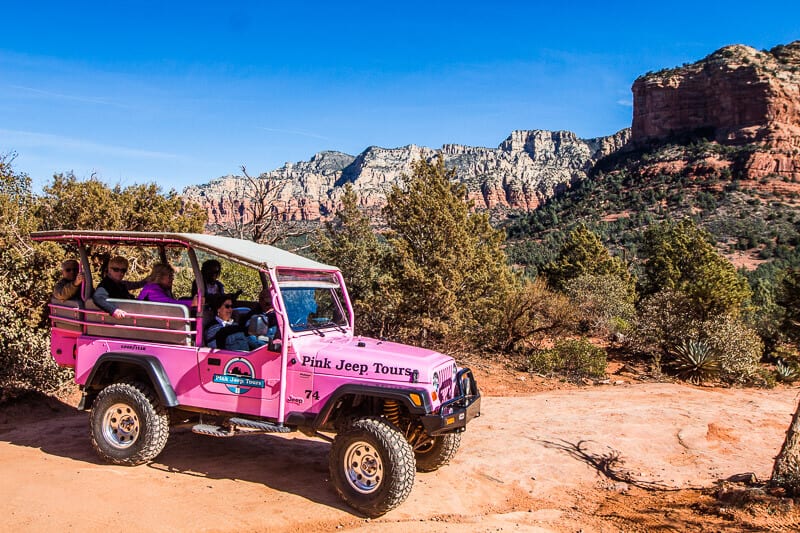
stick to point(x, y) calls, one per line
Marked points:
point(447, 384)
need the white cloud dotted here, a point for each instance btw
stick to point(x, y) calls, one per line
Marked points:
point(16, 139)
point(59, 96)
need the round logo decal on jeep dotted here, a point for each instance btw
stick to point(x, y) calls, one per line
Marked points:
point(239, 368)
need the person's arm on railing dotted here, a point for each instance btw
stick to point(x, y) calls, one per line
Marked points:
point(101, 297)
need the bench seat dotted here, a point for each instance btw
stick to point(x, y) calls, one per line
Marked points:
point(150, 318)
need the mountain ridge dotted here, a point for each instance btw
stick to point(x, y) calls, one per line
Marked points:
point(742, 105)
point(526, 169)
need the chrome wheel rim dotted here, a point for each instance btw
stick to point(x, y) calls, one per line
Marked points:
point(121, 425)
point(363, 467)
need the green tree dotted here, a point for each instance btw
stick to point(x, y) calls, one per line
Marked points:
point(449, 271)
point(583, 254)
point(680, 257)
point(144, 207)
point(69, 203)
point(25, 360)
point(349, 243)
point(30, 269)
point(789, 300)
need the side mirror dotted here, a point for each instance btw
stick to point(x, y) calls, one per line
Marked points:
point(276, 345)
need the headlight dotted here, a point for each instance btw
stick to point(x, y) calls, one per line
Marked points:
point(435, 381)
point(466, 385)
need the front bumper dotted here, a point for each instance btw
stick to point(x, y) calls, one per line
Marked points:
point(454, 414)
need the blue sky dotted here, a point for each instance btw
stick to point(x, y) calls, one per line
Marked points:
point(179, 93)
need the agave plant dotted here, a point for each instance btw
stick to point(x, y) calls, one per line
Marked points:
point(785, 373)
point(695, 361)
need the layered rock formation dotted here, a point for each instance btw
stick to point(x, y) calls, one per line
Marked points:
point(526, 169)
point(735, 96)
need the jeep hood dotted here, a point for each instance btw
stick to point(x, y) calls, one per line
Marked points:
point(366, 358)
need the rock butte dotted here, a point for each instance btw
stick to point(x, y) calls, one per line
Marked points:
point(735, 96)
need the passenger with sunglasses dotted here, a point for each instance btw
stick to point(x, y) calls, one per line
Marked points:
point(114, 286)
point(224, 331)
point(69, 286)
point(210, 271)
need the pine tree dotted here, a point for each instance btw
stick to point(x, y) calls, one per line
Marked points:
point(349, 242)
point(449, 271)
point(583, 254)
point(679, 256)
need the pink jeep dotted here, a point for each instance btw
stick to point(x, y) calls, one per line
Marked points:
point(393, 408)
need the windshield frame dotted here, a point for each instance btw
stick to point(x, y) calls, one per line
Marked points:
point(295, 280)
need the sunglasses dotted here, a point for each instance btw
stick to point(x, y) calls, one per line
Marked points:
point(227, 306)
point(117, 269)
point(70, 270)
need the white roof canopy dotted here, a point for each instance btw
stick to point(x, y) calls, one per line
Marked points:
point(239, 250)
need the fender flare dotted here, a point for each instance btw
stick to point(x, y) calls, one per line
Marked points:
point(150, 364)
point(401, 395)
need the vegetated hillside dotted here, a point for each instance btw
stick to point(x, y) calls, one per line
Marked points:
point(718, 141)
point(753, 221)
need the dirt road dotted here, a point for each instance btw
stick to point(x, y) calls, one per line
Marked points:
point(602, 458)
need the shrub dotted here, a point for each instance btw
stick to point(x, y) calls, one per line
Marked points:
point(574, 358)
point(785, 373)
point(738, 345)
point(605, 301)
point(666, 322)
point(25, 360)
point(529, 312)
point(695, 362)
point(787, 354)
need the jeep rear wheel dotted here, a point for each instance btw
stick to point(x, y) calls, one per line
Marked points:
point(436, 452)
point(372, 466)
point(128, 424)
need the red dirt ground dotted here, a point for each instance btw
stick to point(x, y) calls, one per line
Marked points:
point(544, 456)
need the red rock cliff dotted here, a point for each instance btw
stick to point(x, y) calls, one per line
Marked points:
point(736, 96)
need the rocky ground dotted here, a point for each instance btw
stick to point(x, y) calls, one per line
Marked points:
point(545, 456)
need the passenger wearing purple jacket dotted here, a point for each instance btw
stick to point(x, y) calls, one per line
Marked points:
point(159, 287)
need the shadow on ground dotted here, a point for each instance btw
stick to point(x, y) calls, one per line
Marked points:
point(288, 463)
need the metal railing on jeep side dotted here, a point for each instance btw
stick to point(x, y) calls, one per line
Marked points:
point(147, 321)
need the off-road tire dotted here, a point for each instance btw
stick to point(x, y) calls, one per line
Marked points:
point(372, 466)
point(438, 453)
point(128, 424)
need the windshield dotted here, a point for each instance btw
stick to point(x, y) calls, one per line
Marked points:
point(313, 307)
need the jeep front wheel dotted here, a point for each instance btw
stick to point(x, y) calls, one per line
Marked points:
point(128, 424)
point(372, 466)
point(436, 452)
